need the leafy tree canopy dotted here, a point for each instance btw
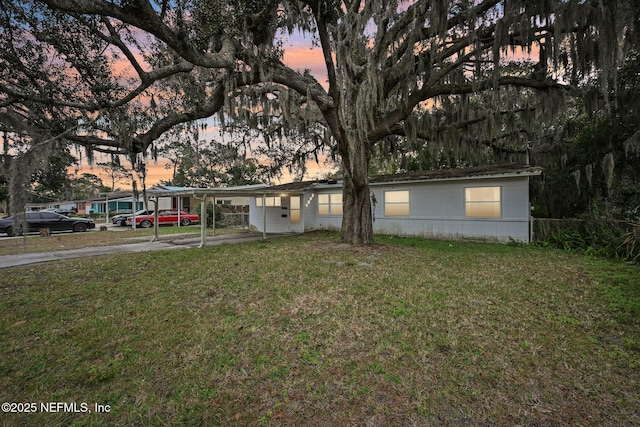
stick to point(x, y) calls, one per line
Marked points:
point(212, 164)
point(595, 169)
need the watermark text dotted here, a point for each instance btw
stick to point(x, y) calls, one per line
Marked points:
point(54, 407)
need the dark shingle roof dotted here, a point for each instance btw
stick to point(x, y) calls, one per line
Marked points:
point(437, 174)
point(458, 173)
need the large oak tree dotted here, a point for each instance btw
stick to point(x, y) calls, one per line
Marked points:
point(390, 66)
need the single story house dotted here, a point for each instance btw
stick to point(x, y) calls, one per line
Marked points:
point(182, 198)
point(114, 203)
point(486, 203)
point(122, 201)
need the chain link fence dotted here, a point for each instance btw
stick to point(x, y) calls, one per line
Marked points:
point(234, 220)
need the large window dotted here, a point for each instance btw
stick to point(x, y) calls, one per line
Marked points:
point(483, 202)
point(269, 201)
point(330, 204)
point(396, 203)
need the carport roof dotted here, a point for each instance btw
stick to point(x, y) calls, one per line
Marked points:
point(242, 190)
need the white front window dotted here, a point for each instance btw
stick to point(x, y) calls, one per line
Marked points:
point(330, 204)
point(396, 203)
point(482, 202)
point(269, 201)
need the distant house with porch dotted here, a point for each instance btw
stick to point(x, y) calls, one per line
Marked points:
point(182, 200)
point(487, 203)
point(171, 197)
point(114, 203)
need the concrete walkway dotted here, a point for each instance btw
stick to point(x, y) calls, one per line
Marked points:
point(7, 261)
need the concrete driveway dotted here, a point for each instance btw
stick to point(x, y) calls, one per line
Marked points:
point(7, 261)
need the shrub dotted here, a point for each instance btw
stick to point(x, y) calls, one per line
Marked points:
point(608, 239)
point(210, 213)
point(631, 243)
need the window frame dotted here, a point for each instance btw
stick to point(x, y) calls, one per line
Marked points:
point(483, 202)
point(333, 206)
point(270, 201)
point(388, 205)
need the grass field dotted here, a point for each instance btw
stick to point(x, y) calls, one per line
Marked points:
point(305, 330)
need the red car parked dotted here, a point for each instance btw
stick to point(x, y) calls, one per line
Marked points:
point(165, 217)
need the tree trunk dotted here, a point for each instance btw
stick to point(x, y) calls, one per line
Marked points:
point(357, 220)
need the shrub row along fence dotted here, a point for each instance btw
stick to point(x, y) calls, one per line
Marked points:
point(610, 238)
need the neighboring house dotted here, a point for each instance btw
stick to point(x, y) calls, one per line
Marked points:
point(185, 202)
point(487, 203)
point(183, 197)
point(83, 207)
point(119, 202)
point(35, 206)
point(66, 205)
point(114, 202)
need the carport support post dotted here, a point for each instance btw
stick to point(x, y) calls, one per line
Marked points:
point(106, 209)
point(264, 216)
point(155, 216)
point(133, 205)
point(213, 216)
point(203, 221)
point(179, 208)
point(155, 220)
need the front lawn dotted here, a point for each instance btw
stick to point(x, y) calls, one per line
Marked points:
point(307, 331)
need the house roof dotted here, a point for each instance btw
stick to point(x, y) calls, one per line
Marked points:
point(241, 190)
point(161, 188)
point(460, 173)
point(113, 195)
point(432, 175)
point(301, 186)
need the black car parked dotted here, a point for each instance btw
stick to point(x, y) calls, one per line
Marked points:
point(36, 221)
point(60, 211)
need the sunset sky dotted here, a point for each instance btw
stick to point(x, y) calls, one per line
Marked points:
point(299, 55)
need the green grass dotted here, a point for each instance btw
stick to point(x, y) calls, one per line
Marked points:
point(305, 330)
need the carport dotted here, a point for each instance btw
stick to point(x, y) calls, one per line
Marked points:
point(206, 194)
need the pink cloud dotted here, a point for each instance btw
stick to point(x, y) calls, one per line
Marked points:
point(301, 58)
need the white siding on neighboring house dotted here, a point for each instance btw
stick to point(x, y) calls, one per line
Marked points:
point(163, 203)
point(67, 205)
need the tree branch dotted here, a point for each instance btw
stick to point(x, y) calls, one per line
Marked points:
point(389, 122)
point(140, 13)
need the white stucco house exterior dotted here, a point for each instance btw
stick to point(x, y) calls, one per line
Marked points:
point(485, 203)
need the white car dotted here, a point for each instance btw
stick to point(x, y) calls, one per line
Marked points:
point(121, 219)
